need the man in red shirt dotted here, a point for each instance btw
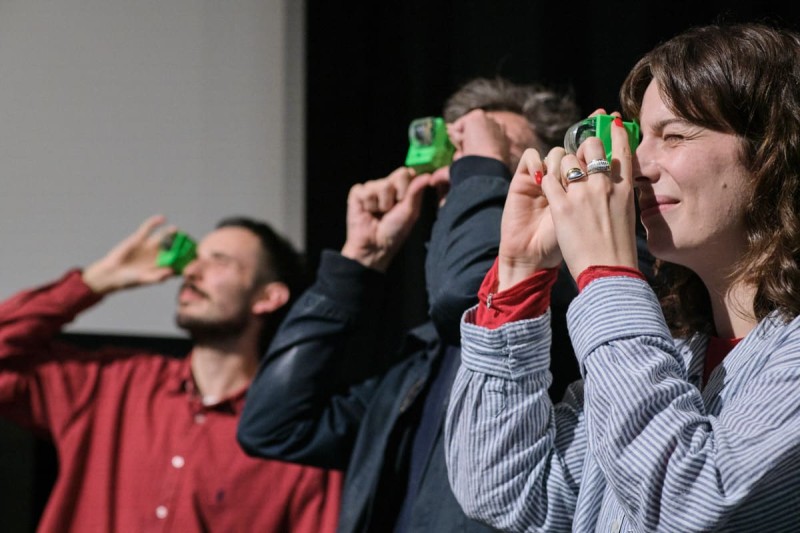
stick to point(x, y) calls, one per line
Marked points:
point(147, 442)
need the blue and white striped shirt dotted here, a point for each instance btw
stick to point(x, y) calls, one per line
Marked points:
point(636, 445)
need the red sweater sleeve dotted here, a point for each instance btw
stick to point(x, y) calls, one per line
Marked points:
point(596, 272)
point(29, 324)
point(32, 318)
point(527, 299)
point(531, 298)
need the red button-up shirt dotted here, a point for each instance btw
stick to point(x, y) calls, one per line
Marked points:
point(138, 451)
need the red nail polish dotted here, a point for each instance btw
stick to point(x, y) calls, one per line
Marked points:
point(537, 177)
point(618, 122)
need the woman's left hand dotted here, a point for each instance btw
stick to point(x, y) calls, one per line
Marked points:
point(594, 215)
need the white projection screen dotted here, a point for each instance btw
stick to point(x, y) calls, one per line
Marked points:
point(112, 110)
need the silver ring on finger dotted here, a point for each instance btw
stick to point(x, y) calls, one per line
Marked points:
point(575, 174)
point(598, 166)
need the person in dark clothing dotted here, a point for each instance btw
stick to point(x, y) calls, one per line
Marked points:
point(324, 397)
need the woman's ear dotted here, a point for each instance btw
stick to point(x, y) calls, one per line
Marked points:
point(270, 298)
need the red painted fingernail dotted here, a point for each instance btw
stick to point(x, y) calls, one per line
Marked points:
point(618, 122)
point(537, 176)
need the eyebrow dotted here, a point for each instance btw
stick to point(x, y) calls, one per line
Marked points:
point(218, 255)
point(222, 255)
point(661, 124)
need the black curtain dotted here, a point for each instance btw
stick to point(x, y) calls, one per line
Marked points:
point(372, 69)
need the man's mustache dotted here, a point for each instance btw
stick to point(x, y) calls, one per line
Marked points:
point(192, 287)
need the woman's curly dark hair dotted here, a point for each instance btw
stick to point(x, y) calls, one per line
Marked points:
point(742, 79)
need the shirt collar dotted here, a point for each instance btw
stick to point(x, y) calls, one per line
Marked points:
point(181, 381)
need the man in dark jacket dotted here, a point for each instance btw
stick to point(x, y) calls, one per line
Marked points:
point(324, 397)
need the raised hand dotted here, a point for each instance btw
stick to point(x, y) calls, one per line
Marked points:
point(476, 133)
point(594, 216)
point(132, 262)
point(527, 237)
point(380, 216)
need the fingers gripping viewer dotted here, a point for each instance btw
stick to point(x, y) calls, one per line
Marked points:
point(686, 418)
point(147, 442)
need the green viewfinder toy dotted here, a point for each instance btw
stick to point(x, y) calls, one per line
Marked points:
point(176, 251)
point(429, 146)
point(599, 126)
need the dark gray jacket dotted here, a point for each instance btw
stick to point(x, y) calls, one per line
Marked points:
point(324, 397)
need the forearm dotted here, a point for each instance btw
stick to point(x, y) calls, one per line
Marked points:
point(30, 319)
point(301, 406)
point(32, 375)
point(464, 239)
point(513, 460)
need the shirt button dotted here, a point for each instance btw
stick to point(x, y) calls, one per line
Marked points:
point(615, 526)
point(161, 512)
point(199, 418)
point(178, 461)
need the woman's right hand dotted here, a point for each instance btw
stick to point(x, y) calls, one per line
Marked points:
point(527, 237)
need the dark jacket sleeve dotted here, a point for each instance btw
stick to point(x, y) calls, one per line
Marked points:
point(315, 381)
point(323, 366)
point(464, 240)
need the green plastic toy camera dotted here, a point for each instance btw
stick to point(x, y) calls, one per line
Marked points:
point(599, 126)
point(176, 251)
point(429, 145)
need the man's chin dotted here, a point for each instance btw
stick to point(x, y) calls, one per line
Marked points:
point(198, 327)
point(189, 323)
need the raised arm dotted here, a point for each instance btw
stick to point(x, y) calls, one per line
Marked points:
point(514, 460)
point(466, 233)
point(31, 320)
point(313, 385)
point(132, 262)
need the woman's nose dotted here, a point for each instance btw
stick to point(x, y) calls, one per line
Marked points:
point(643, 164)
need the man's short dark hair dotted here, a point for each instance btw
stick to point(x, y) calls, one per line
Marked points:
point(549, 112)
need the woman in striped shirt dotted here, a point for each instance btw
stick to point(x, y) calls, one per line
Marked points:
point(688, 414)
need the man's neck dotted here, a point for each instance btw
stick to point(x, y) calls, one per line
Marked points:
point(219, 373)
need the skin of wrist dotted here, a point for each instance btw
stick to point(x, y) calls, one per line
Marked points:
point(508, 276)
point(94, 278)
point(374, 260)
point(512, 271)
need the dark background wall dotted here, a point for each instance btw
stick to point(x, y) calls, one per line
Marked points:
point(372, 69)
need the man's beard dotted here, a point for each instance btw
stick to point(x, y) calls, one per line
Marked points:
point(209, 329)
point(202, 329)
